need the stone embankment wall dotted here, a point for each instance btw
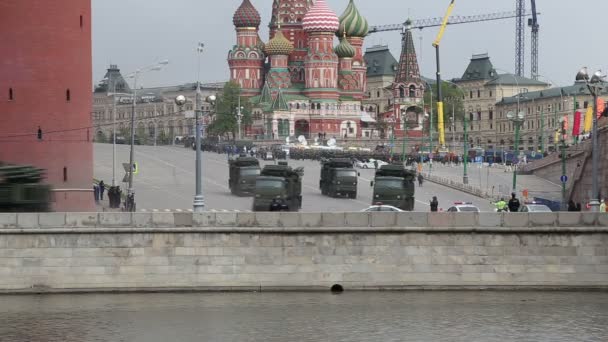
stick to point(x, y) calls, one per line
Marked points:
point(270, 251)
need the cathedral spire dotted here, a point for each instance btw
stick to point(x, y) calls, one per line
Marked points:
point(408, 71)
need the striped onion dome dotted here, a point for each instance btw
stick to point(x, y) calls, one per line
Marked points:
point(352, 22)
point(320, 18)
point(279, 45)
point(246, 16)
point(344, 49)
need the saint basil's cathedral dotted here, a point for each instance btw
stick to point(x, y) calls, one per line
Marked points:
point(308, 87)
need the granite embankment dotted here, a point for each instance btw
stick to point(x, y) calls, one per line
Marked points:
point(74, 252)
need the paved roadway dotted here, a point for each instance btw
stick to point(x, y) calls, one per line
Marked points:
point(166, 183)
point(499, 180)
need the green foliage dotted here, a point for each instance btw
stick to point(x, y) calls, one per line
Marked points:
point(225, 116)
point(452, 95)
point(101, 137)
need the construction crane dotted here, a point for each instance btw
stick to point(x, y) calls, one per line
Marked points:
point(520, 37)
point(533, 23)
point(454, 20)
point(436, 43)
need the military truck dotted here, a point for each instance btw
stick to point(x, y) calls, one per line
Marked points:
point(338, 178)
point(242, 174)
point(394, 185)
point(21, 189)
point(279, 188)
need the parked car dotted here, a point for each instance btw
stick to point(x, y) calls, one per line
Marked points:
point(463, 207)
point(381, 207)
point(369, 164)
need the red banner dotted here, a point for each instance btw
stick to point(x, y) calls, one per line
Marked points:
point(601, 105)
point(576, 126)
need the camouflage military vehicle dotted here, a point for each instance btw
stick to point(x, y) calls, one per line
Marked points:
point(338, 178)
point(243, 173)
point(394, 185)
point(279, 188)
point(21, 189)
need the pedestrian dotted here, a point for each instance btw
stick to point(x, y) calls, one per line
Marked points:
point(602, 206)
point(571, 206)
point(514, 204)
point(375, 164)
point(434, 204)
point(420, 179)
point(102, 189)
point(501, 205)
point(579, 207)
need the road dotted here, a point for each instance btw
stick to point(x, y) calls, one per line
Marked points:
point(166, 183)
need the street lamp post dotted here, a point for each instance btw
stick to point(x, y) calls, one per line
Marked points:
point(517, 120)
point(130, 202)
point(595, 87)
point(465, 154)
point(107, 82)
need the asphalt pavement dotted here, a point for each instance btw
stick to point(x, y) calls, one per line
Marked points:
point(166, 182)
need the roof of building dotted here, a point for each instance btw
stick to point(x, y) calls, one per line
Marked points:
point(380, 61)
point(480, 68)
point(280, 103)
point(577, 89)
point(113, 82)
point(511, 79)
point(320, 18)
point(352, 23)
point(246, 15)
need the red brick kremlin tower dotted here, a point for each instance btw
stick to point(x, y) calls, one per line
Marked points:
point(45, 83)
point(309, 88)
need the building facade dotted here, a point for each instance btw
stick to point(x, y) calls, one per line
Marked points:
point(158, 120)
point(45, 99)
point(544, 111)
point(308, 87)
point(482, 87)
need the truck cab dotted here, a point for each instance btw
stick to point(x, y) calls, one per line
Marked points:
point(243, 174)
point(278, 188)
point(338, 178)
point(394, 185)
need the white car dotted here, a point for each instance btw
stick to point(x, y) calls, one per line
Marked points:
point(384, 208)
point(534, 208)
point(369, 164)
point(463, 207)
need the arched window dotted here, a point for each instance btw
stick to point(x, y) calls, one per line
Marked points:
point(297, 106)
point(412, 91)
point(401, 91)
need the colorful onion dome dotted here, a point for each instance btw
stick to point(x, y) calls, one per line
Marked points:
point(344, 49)
point(246, 16)
point(320, 18)
point(352, 22)
point(279, 45)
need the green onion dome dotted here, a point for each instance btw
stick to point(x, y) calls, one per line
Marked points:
point(344, 49)
point(352, 22)
point(279, 45)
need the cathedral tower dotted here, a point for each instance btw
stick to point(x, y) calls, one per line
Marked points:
point(354, 27)
point(321, 63)
point(246, 59)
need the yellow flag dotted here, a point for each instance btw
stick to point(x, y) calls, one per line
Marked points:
point(588, 119)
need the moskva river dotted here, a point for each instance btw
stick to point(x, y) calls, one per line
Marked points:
point(286, 316)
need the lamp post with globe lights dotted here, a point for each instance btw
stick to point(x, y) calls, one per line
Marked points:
point(595, 86)
point(130, 201)
point(518, 120)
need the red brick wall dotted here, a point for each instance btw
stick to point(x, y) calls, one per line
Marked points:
point(44, 52)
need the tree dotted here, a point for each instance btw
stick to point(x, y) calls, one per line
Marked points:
point(225, 119)
point(451, 95)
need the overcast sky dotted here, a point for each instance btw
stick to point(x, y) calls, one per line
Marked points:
point(136, 33)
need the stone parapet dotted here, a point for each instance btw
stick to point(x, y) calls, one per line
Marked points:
point(351, 220)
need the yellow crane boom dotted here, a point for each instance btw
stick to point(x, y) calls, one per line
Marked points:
point(436, 43)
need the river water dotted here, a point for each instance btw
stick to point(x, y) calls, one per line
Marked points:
point(351, 316)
